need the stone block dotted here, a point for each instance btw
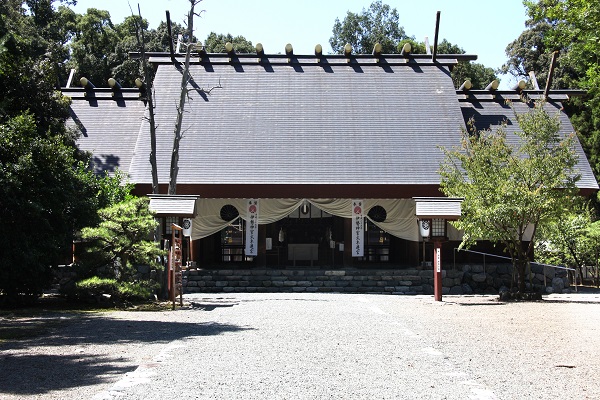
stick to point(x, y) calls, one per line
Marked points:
point(467, 288)
point(299, 289)
point(290, 283)
point(389, 288)
point(258, 272)
point(449, 282)
point(192, 284)
point(479, 278)
point(477, 268)
point(304, 283)
point(427, 289)
point(335, 273)
point(456, 290)
point(222, 283)
point(228, 289)
point(445, 290)
point(342, 283)
point(558, 285)
point(402, 289)
point(405, 283)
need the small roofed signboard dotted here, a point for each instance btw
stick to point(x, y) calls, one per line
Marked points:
point(173, 205)
point(438, 207)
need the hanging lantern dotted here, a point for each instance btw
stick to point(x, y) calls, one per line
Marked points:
point(424, 227)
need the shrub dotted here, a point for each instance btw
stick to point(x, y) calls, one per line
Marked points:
point(95, 286)
point(137, 291)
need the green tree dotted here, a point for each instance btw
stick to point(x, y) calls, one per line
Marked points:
point(568, 241)
point(32, 48)
point(479, 75)
point(47, 191)
point(123, 237)
point(93, 46)
point(570, 27)
point(378, 24)
point(510, 188)
point(44, 198)
point(215, 43)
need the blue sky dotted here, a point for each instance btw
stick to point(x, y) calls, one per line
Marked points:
point(482, 27)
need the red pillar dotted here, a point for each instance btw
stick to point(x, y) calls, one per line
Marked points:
point(437, 270)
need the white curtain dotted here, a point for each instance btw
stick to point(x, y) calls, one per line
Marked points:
point(400, 221)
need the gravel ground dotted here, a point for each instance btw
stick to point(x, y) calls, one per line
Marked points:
point(312, 346)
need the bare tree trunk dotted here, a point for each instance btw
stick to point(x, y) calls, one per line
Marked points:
point(142, 45)
point(174, 170)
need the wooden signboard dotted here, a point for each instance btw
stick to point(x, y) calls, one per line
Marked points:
point(175, 265)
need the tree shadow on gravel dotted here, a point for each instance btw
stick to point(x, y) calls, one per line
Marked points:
point(55, 355)
point(38, 374)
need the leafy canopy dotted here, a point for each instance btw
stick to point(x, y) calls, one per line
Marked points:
point(512, 184)
point(377, 24)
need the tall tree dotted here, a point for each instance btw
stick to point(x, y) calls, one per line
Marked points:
point(216, 43)
point(479, 75)
point(510, 188)
point(93, 45)
point(381, 24)
point(570, 27)
point(46, 190)
point(32, 46)
point(45, 195)
point(378, 24)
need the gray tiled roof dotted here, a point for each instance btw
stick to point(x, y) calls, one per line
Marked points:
point(109, 128)
point(489, 114)
point(293, 124)
point(303, 124)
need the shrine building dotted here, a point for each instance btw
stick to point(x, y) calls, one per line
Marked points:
point(281, 152)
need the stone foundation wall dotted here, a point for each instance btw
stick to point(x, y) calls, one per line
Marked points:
point(465, 279)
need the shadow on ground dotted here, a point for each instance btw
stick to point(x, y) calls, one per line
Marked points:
point(43, 354)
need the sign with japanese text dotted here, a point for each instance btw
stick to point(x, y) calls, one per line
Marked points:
point(252, 208)
point(358, 228)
